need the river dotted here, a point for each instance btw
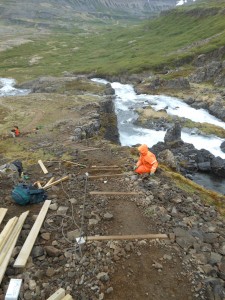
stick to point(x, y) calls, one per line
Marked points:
point(127, 101)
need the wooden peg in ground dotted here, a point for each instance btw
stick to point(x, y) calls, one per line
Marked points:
point(42, 166)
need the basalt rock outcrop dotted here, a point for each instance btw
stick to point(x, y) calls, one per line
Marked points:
point(210, 67)
point(162, 84)
point(186, 158)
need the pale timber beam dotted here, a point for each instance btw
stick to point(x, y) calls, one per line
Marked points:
point(28, 245)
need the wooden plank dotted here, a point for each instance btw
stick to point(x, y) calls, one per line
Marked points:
point(45, 171)
point(114, 193)
point(56, 182)
point(2, 213)
point(30, 240)
point(67, 297)
point(67, 161)
point(113, 166)
point(50, 181)
point(105, 169)
point(58, 295)
point(11, 238)
point(127, 237)
point(73, 163)
point(105, 175)
point(11, 243)
point(90, 149)
point(7, 231)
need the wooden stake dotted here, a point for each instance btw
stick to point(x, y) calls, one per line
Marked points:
point(28, 245)
point(127, 237)
point(58, 295)
point(114, 193)
point(11, 244)
point(7, 231)
point(42, 166)
point(50, 181)
point(105, 175)
point(2, 213)
point(56, 182)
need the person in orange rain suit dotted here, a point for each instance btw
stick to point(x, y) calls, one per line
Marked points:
point(147, 162)
point(15, 132)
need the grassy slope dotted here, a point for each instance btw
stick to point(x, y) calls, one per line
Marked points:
point(112, 49)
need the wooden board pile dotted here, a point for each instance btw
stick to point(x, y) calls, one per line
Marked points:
point(10, 234)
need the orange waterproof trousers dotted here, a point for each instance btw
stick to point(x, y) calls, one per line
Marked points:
point(142, 169)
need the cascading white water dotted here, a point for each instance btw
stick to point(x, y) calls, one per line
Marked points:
point(127, 101)
point(7, 88)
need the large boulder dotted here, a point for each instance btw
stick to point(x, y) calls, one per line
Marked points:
point(218, 166)
point(173, 84)
point(222, 146)
point(166, 157)
point(173, 135)
point(207, 72)
point(218, 108)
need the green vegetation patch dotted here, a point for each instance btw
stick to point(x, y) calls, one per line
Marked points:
point(170, 40)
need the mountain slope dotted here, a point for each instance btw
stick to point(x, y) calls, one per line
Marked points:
point(171, 40)
point(31, 11)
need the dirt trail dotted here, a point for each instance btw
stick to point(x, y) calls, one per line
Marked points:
point(136, 269)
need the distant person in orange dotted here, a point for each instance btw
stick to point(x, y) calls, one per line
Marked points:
point(15, 131)
point(147, 162)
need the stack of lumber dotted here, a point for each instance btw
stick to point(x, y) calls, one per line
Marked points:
point(8, 239)
point(10, 234)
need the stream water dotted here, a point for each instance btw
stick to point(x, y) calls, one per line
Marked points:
point(7, 88)
point(127, 101)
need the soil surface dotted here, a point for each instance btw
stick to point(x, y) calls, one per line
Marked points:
point(141, 269)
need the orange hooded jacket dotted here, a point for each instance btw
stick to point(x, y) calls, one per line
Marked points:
point(147, 162)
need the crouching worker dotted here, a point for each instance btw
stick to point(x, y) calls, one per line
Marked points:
point(147, 162)
point(15, 132)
